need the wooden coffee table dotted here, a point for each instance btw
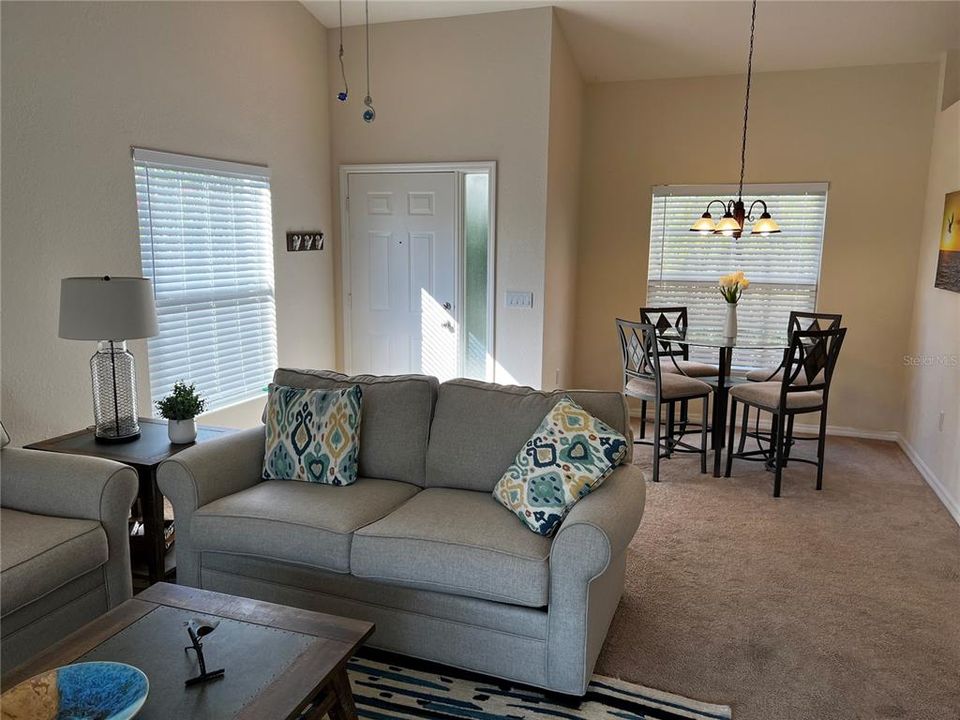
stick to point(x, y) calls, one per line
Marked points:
point(280, 662)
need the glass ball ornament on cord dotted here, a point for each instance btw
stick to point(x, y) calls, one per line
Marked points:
point(369, 114)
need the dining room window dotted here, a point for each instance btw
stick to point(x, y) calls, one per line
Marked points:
point(783, 269)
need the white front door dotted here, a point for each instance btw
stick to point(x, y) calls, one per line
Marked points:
point(403, 273)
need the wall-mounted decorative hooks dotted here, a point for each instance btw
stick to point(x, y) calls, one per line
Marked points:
point(305, 240)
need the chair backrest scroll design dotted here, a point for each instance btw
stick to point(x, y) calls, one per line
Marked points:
point(672, 320)
point(639, 351)
point(810, 361)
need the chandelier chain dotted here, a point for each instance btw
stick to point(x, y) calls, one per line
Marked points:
point(746, 103)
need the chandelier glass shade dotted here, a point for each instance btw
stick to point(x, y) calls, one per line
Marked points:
point(735, 216)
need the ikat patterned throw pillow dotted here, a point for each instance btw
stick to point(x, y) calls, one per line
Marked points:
point(312, 435)
point(569, 455)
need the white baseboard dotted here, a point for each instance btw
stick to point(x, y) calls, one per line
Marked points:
point(952, 505)
point(836, 430)
point(844, 431)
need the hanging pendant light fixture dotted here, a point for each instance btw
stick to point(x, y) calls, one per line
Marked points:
point(369, 115)
point(735, 214)
point(343, 94)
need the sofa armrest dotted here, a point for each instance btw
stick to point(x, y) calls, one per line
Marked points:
point(76, 486)
point(587, 562)
point(201, 474)
point(601, 525)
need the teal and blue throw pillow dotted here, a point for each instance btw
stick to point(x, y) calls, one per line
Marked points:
point(569, 455)
point(312, 435)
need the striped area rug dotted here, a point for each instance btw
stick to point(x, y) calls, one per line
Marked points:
point(391, 687)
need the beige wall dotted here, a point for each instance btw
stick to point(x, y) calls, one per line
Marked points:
point(865, 130)
point(933, 362)
point(462, 89)
point(563, 198)
point(82, 82)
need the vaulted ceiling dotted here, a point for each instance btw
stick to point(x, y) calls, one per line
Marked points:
point(647, 39)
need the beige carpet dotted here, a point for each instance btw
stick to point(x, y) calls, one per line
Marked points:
point(838, 604)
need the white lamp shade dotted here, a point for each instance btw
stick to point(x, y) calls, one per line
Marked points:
point(107, 308)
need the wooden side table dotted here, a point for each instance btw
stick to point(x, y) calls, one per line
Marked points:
point(144, 455)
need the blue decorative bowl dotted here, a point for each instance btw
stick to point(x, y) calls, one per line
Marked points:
point(83, 691)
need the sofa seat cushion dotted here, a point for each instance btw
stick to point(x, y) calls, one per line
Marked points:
point(304, 523)
point(455, 541)
point(42, 553)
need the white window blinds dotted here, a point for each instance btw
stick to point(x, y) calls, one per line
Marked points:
point(206, 242)
point(783, 269)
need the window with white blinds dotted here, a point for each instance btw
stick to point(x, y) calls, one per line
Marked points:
point(783, 269)
point(206, 242)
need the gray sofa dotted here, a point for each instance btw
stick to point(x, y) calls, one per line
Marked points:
point(65, 548)
point(418, 545)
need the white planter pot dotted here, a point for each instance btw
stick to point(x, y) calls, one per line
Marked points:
point(730, 324)
point(182, 432)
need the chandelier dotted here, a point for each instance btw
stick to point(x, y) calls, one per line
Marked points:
point(735, 214)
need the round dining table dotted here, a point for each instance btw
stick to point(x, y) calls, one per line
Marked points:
point(724, 348)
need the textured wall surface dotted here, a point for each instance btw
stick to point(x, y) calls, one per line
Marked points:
point(82, 82)
point(933, 361)
point(463, 89)
point(866, 131)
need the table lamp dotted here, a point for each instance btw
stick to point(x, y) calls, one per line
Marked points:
point(110, 310)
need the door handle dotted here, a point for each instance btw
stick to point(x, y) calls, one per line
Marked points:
point(448, 325)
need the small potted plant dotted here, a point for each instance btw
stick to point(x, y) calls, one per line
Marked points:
point(180, 408)
point(732, 287)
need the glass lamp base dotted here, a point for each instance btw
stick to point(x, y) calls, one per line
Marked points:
point(114, 393)
point(112, 439)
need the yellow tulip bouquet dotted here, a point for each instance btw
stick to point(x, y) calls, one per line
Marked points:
point(733, 285)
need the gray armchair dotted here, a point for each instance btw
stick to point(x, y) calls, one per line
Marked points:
point(65, 545)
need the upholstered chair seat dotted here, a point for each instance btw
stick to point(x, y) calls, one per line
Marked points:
point(766, 395)
point(672, 387)
point(688, 367)
point(776, 375)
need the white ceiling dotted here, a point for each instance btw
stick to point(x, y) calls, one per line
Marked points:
point(642, 39)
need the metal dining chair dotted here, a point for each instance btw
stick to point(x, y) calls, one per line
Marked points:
point(803, 388)
point(674, 358)
point(644, 379)
point(799, 320)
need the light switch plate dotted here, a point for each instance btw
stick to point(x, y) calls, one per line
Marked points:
point(519, 299)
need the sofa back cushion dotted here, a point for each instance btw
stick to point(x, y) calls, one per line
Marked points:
point(397, 410)
point(478, 428)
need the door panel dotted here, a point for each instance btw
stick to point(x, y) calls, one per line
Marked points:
point(403, 273)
